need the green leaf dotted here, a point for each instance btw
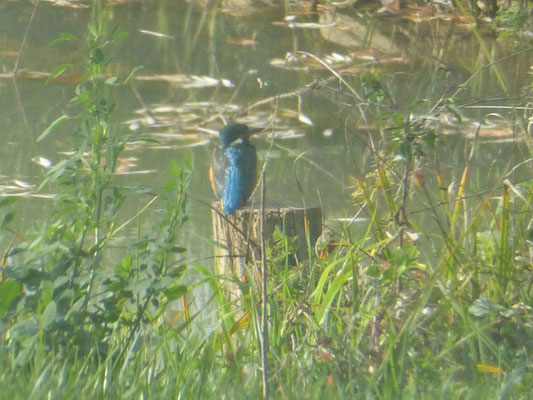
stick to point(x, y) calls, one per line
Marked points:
point(324, 279)
point(162, 284)
point(124, 268)
point(27, 348)
point(114, 32)
point(147, 140)
point(98, 56)
point(8, 217)
point(58, 70)
point(172, 178)
point(175, 291)
point(9, 290)
point(481, 307)
point(452, 105)
point(397, 118)
point(112, 81)
point(47, 291)
point(387, 276)
point(93, 30)
point(133, 72)
point(48, 315)
point(24, 329)
point(116, 35)
point(75, 309)
point(334, 288)
point(142, 285)
point(6, 201)
point(63, 37)
point(59, 121)
point(119, 37)
point(373, 271)
point(177, 270)
point(138, 188)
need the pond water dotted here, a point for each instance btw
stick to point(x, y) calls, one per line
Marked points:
point(204, 64)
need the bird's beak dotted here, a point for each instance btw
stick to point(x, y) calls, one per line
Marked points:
point(252, 131)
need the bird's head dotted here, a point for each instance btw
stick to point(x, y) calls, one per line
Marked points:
point(235, 131)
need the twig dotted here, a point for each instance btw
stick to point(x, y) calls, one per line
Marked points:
point(24, 38)
point(264, 297)
point(264, 270)
point(14, 75)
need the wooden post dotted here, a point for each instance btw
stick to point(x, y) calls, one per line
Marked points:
point(241, 235)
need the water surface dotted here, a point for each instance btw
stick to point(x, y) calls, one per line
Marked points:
point(203, 65)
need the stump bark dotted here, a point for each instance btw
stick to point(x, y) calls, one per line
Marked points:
point(240, 234)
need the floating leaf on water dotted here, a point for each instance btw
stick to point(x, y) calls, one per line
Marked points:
point(22, 184)
point(305, 119)
point(7, 188)
point(186, 81)
point(304, 25)
point(43, 196)
point(207, 81)
point(302, 61)
point(125, 164)
point(156, 34)
point(353, 219)
point(288, 134)
point(489, 132)
point(244, 42)
point(14, 193)
point(390, 6)
point(164, 109)
point(283, 63)
point(73, 4)
point(368, 55)
point(140, 172)
point(338, 57)
point(43, 162)
point(9, 53)
point(216, 106)
point(227, 83)
point(134, 125)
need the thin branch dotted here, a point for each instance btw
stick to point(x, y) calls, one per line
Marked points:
point(24, 39)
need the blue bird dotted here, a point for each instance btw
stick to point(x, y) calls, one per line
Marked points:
point(233, 171)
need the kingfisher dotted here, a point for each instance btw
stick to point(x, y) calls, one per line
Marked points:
point(233, 171)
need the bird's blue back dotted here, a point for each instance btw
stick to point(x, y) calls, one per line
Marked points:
point(240, 176)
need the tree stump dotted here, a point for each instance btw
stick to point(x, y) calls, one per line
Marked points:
point(240, 234)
